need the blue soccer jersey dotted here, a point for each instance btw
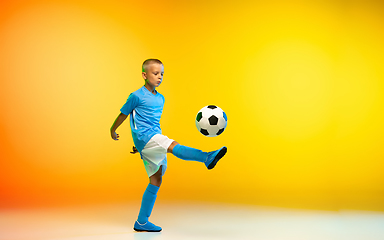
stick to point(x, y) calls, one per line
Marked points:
point(145, 109)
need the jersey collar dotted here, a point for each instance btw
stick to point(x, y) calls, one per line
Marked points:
point(146, 90)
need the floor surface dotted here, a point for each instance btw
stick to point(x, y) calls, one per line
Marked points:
point(184, 221)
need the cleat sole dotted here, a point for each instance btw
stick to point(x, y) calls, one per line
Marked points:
point(141, 230)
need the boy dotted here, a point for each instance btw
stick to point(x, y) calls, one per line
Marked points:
point(146, 106)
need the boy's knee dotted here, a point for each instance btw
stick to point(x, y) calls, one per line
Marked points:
point(155, 180)
point(170, 148)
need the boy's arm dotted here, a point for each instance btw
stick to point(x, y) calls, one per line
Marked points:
point(119, 120)
point(132, 102)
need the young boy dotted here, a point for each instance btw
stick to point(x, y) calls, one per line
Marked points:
point(146, 106)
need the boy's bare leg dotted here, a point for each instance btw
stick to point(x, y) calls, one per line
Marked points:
point(170, 148)
point(156, 178)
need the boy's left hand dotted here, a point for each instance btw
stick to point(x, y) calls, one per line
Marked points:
point(134, 150)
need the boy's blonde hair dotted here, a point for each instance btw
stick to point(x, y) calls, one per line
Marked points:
point(149, 61)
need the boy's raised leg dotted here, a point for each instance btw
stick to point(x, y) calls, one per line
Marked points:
point(187, 153)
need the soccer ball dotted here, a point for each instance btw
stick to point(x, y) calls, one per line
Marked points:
point(211, 121)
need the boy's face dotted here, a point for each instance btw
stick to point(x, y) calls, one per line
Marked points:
point(154, 74)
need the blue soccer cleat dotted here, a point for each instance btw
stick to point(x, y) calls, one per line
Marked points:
point(214, 157)
point(146, 227)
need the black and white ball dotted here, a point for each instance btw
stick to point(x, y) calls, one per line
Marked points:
point(211, 121)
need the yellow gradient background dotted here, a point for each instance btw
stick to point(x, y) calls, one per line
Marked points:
point(302, 83)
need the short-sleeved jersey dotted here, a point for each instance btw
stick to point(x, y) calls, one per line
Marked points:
point(145, 109)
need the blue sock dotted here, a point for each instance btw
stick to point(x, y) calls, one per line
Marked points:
point(187, 153)
point(149, 198)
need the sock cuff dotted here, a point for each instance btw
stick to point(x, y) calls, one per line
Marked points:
point(176, 149)
point(152, 188)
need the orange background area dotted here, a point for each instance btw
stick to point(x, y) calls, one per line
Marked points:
point(300, 81)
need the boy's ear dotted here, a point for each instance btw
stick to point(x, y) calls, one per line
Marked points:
point(144, 75)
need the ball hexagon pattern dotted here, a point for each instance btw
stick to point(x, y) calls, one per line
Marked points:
point(211, 121)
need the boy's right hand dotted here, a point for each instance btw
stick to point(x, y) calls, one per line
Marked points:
point(114, 136)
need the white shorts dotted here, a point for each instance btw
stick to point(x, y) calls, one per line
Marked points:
point(154, 154)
